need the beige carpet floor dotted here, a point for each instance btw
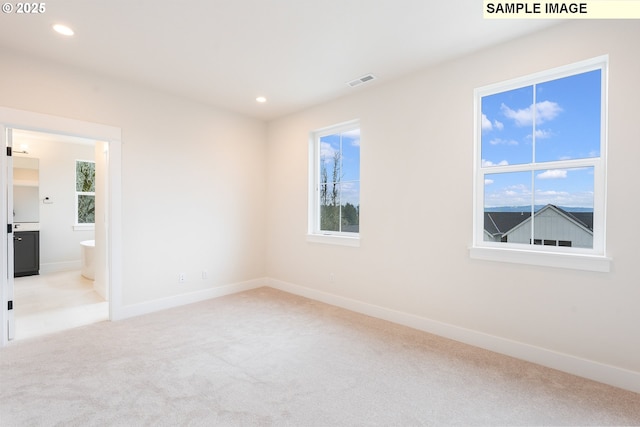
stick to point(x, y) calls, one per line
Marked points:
point(267, 358)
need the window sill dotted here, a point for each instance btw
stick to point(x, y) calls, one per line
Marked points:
point(84, 227)
point(548, 259)
point(334, 240)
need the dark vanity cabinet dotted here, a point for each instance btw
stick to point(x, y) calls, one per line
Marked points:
point(26, 253)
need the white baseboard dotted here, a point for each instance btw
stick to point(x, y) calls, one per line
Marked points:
point(183, 299)
point(54, 267)
point(612, 375)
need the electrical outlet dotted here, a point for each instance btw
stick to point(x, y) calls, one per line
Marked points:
point(332, 277)
point(204, 275)
point(182, 277)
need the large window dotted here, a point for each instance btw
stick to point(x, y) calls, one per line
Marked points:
point(335, 182)
point(85, 192)
point(540, 163)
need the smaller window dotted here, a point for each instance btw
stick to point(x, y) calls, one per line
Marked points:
point(334, 205)
point(85, 192)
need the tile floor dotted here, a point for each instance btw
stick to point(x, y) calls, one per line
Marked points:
point(54, 302)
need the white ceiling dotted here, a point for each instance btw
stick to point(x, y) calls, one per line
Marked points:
point(297, 53)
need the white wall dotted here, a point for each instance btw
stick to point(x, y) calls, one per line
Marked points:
point(192, 176)
point(101, 273)
point(416, 205)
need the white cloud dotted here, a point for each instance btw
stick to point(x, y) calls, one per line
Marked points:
point(519, 187)
point(354, 133)
point(354, 136)
point(520, 194)
point(326, 151)
point(545, 111)
point(565, 198)
point(488, 125)
point(489, 163)
point(553, 174)
point(498, 141)
point(542, 133)
point(511, 195)
point(551, 193)
point(488, 181)
point(521, 117)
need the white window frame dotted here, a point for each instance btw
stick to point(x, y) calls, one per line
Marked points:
point(76, 225)
point(314, 233)
point(594, 259)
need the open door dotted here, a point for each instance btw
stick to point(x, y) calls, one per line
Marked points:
point(8, 320)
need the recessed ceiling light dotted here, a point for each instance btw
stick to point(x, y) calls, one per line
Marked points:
point(261, 99)
point(63, 29)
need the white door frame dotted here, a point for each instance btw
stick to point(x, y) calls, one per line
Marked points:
point(12, 118)
point(6, 252)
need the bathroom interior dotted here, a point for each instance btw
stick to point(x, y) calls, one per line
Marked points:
point(55, 262)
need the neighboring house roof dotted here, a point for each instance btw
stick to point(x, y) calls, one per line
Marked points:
point(498, 223)
point(586, 218)
point(501, 223)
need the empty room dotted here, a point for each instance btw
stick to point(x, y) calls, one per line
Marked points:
point(323, 213)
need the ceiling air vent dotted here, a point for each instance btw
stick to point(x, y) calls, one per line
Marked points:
point(364, 79)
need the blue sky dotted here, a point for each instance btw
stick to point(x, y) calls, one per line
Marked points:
point(567, 126)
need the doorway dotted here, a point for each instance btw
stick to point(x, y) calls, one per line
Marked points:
point(111, 267)
point(58, 192)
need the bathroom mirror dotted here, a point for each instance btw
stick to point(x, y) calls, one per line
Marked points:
point(26, 197)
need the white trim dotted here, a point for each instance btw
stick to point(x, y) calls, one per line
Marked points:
point(546, 75)
point(54, 267)
point(333, 239)
point(608, 374)
point(586, 262)
point(114, 231)
point(188, 298)
point(337, 128)
point(7, 277)
point(84, 227)
point(28, 120)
